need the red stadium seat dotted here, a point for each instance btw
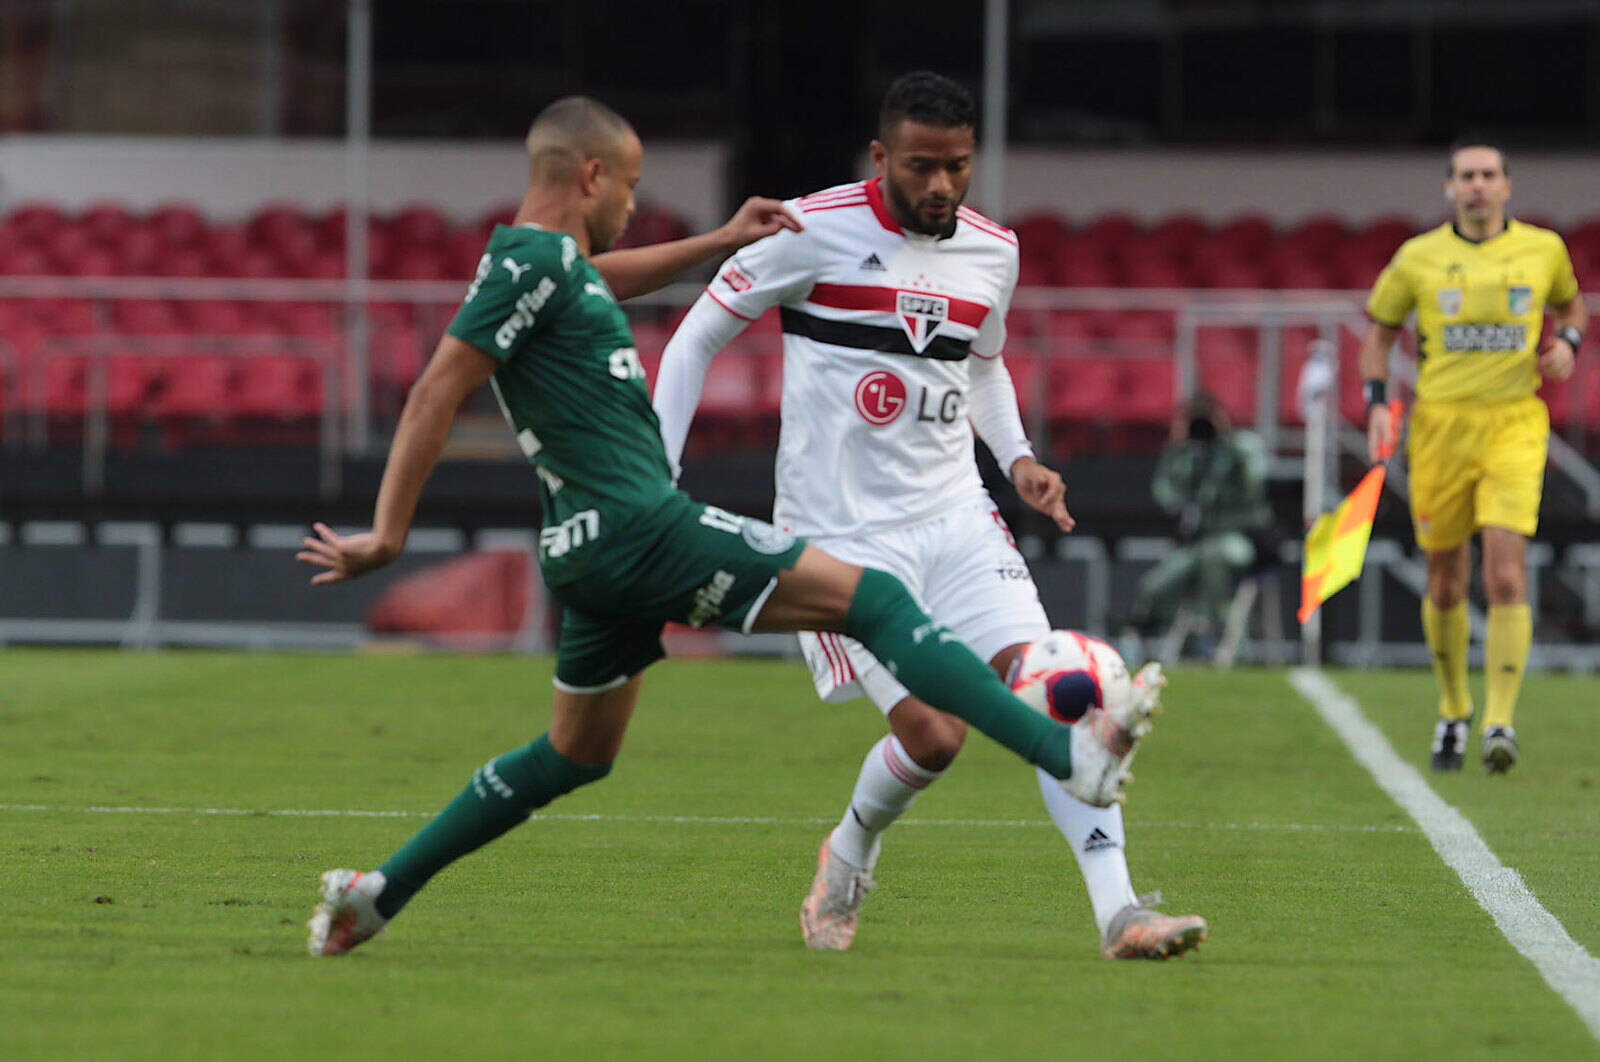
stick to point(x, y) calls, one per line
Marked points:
point(95, 262)
point(1148, 392)
point(1230, 376)
point(1301, 274)
point(106, 223)
point(1318, 233)
point(1381, 237)
point(1086, 271)
point(177, 225)
point(1029, 378)
point(145, 317)
point(130, 381)
point(1044, 234)
point(1036, 272)
point(279, 387)
point(213, 317)
point(1144, 326)
point(64, 386)
point(1158, 274)
point(38, 223)
point(139, 251)
point(186, 262)
point(1214, 252)
point(196, 387)
point(1238, 275)
point(1177, 234)
point(1248, 234)
point(66, 316)
point(313, 319)
point(418, 226)
point(418, 263)
point(1108, 231)
point(1083, 390)
point(225, 244)
point(19, 261)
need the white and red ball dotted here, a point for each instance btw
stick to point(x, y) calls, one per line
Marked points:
point(1065, 674)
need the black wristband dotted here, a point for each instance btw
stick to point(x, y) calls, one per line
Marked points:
point(1376, 391)
point(1571, 335)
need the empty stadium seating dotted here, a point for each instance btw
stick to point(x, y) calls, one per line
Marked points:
point(226, 359)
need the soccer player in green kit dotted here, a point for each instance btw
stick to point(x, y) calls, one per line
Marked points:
point(621, 548)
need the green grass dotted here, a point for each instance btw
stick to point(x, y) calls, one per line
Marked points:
point(1336, 930)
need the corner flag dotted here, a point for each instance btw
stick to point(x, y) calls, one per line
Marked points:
point(1336, 545)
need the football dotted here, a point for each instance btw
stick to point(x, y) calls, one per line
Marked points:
point(1064, 674)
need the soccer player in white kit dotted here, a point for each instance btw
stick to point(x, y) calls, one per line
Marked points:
point(893, 300)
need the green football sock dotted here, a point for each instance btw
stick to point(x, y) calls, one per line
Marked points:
point(502, 794)
point(938, 669)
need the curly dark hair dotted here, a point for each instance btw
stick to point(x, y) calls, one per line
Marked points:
point(928, 99)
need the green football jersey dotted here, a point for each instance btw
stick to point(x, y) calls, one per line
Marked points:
point(572, 389)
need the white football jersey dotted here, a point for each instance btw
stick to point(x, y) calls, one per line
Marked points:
point(877, 327)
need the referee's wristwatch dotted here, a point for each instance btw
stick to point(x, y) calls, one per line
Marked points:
point(1375, 391)
point(1571, 335)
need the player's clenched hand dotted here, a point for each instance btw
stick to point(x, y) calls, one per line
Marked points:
point(344, 556)
point(758, 218)
point(1556, 363)
point(1380, 431)
point(1043, 490)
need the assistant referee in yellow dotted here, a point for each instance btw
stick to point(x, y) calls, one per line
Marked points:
point(1479, 434)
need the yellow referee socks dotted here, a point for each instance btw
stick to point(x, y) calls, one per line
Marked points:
point(1505, 653)
point(1448, 634)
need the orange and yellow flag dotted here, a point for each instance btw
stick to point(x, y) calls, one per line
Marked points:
point(1336, 545)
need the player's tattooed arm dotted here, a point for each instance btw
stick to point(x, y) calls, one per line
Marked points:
point(639, 270)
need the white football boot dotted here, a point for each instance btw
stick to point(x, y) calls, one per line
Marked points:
point(348, 913)
point(1105, 739)
point(828, 915)
point(1139, 931)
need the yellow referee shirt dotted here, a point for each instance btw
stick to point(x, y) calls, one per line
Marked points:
point(1480, 307)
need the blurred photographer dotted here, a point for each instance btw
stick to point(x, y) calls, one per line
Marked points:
point(1214, 480)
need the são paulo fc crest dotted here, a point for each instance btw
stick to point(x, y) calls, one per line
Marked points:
point(1519, 300)
point(880, 396)
point(921, 313)
point(1449, 301)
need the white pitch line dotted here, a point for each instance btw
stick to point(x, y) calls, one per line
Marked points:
point(1499, 890)
point(696, 820)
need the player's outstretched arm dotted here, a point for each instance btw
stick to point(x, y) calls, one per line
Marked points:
point(640, 270)
point(455, 371)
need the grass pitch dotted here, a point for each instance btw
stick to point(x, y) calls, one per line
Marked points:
point(155, 885)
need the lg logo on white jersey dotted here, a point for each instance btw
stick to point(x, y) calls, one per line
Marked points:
point(881, 396)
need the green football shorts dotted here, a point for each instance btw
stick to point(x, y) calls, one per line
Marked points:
point(698, 565)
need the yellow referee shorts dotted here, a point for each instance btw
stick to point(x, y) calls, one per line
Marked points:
point(1476, 464)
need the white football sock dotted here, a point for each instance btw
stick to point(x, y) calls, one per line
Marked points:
point(889, 781)
point(1097, 840)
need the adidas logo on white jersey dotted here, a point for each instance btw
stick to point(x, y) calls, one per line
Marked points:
point(873, 263)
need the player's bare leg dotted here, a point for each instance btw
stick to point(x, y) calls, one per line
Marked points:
point(1506, 643)
point(586, 732)
point(1444, 625)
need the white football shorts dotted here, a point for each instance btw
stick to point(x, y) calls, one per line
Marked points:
point(963, 568)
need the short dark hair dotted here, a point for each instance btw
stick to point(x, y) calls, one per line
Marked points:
point(1472, 140)
point(928, 99)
